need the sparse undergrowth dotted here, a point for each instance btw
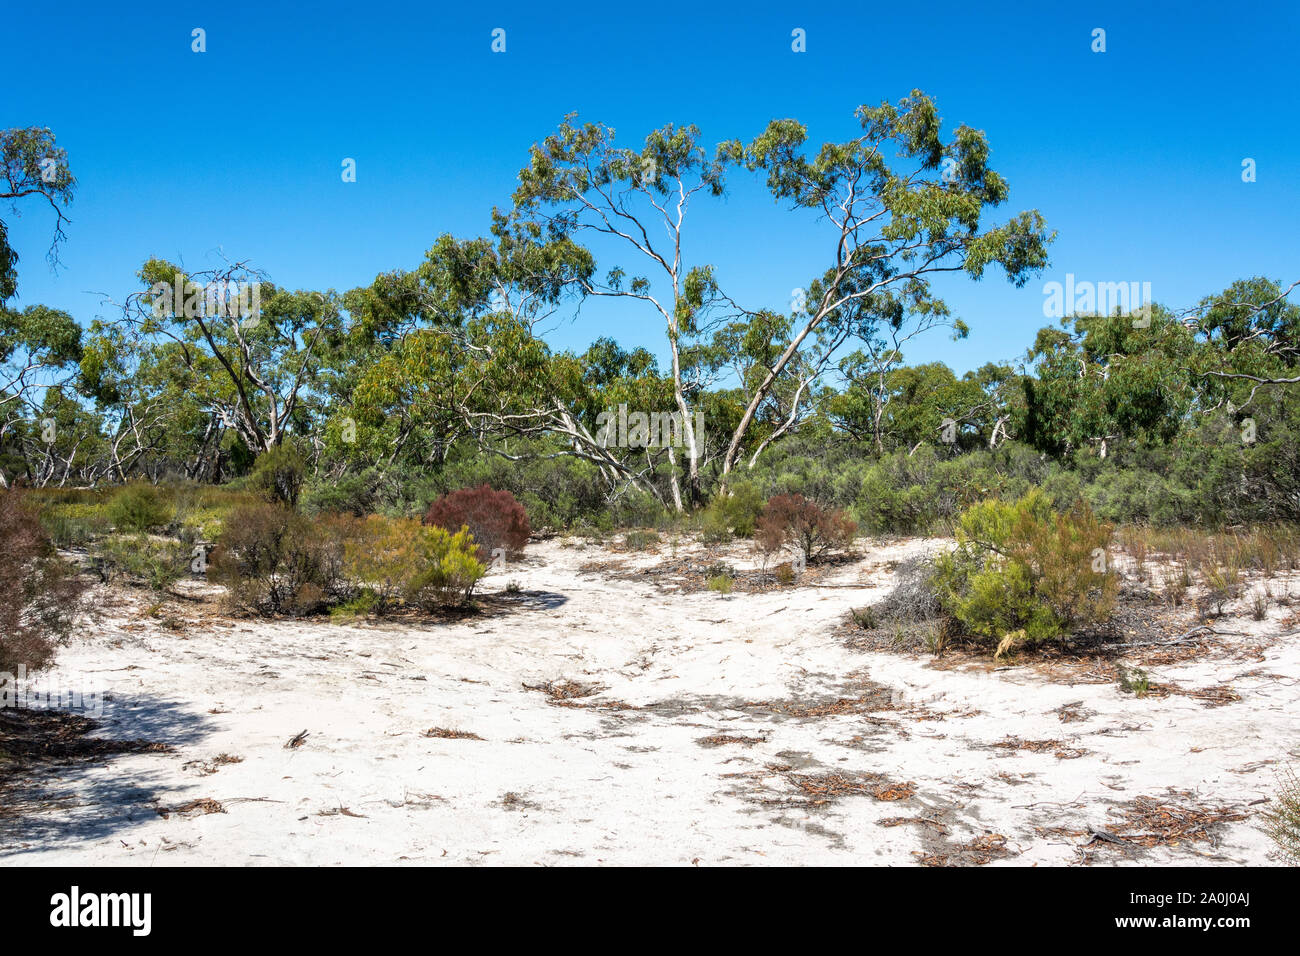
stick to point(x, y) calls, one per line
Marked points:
point(1282, 821)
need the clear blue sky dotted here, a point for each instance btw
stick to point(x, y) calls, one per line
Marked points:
point(1133, 155)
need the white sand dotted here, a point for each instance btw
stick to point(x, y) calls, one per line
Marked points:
point(550, 784)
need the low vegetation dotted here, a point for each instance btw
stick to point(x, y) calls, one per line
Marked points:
point(1282, 821)
point(495, 520)
point(793, 522)
point(1023, 572)
point(39, 594)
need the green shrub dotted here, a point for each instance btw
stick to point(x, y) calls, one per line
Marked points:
point(720, 583)
point(1282, 820)
point(735, 513)
point(451, 570)
point(75, 526)
point(278, 475)
point(351, 494)
point(158, 564)
point(1136, 681)
point(1022, 567)
point(140, 508)
point(640, 540)
point(401, 560)
point(366, 602)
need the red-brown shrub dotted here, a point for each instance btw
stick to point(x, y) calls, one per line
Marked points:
point(793, 520)
point(39, 595)
point(494, 518)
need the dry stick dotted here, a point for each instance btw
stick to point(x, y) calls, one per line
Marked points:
point(1185, 637)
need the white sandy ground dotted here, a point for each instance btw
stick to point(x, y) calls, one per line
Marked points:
point(551, 784)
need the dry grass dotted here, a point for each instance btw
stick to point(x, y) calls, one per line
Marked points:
point(1282, 821)
point(194, 808)
point(819, 789)
point(722, 740)
point(976, 852)
point(444, 733)
point(1059, 749)
point(207, 767)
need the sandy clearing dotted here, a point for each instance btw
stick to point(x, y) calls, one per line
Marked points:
point(629, 774)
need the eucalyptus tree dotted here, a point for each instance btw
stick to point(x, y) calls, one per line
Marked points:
point(1103, 378)
point(580, 185)
point(453, 350)
point(32, 164)
point(1253, 329)
point(892, 228)
point(252, 350)
point(39, 351)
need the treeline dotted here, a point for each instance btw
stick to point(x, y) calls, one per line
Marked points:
point(440, 378)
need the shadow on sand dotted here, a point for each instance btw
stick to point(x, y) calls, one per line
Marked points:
point(67, 779)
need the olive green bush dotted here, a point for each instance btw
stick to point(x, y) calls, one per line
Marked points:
point(400, 560)
point(157, 563)
point(140, 508)
point(278, 475)
point(1023, 569)
point(272, 560)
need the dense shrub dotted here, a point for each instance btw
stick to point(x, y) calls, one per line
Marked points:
point(556, 492)
point(39, 595)
point(1023, 569)
point(140, 508)
point(354, 494)
point(640, 540)
point(735, 513)
point(794, 521)
point(272, 560)
point(494, 518)
point(157, 564)
point(278, 475)
point(400, 559)
point(75, 526)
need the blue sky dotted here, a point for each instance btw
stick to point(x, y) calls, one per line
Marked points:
point(1133, 155)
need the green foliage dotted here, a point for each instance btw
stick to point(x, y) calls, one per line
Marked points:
point(31, 164)
point(1022, 567)
point(140, 508)
point(1135, 681)
point(1282, 820)
point(366, 602)
point(400, 560)
point(735, 513)
point(450, 570)
point(721, 583)
point(639, 540)
point(75, 525)
point(278, 475)
point(355, 494)
point(158, 564)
